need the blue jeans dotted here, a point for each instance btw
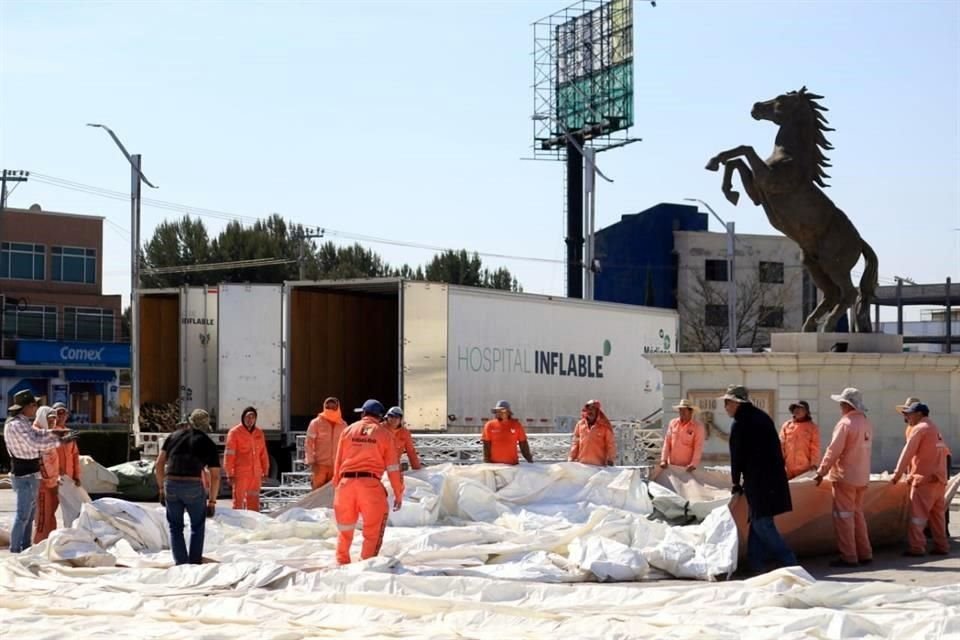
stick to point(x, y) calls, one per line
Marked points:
point(189, 496)
point(26, 488)
point(765, 542)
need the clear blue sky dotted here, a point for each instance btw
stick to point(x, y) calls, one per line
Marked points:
point(409, 119)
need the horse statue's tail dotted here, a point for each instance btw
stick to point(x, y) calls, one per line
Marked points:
point(868, 289)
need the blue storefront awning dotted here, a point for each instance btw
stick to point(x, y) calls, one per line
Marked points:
point(92, 375)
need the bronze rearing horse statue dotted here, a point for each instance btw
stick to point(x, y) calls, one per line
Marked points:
point(788, 187)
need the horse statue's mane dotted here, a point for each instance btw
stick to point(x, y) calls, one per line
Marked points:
point(821, 143)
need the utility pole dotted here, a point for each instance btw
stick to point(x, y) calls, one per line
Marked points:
point(303, 235)
point(136, 178)
point(10, 176)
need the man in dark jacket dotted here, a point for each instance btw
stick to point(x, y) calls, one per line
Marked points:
point(755, 456)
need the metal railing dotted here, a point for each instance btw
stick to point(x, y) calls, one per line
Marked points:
point(638, 444)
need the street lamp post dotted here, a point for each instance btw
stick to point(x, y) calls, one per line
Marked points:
point(136, 176)
point(731, 272)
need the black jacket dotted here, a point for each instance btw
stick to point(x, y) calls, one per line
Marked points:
point(755, 454)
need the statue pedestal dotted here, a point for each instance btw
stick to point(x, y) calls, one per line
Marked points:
point(777, 379)
point(836, 342)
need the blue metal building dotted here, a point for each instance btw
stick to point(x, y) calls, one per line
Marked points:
point(637, 261)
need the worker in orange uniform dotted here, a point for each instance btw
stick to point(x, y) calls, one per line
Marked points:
point(246, 461)
point(502, 435)
point(593, 439)
point(683, 441)
point(923, 460)
point(847, 461)
point(800, 441)
point(323, 435)
point(906, 421)
point(367, 449)
point(48, 498)
point(949, 462)
point(394, 422)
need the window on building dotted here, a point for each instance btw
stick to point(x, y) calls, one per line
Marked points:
point(88, 323)
point(29, 322)
point(22, 261)
point(73, 264)
point(715, 315)
point(716, 270)
point(771, 272)
point(771, 317)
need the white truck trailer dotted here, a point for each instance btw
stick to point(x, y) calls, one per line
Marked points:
point(445, 353)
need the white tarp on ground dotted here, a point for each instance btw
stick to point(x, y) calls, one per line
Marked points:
point(471, 555)
point(552, 523)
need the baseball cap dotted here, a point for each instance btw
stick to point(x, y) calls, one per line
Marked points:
point(394, 412)
point(502, 404)
point(800, 403)
point(915, 407)
point(371, 406)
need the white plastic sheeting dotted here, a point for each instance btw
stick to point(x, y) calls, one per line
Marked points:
point(552, 523)
point(252, 599)
point(483, 545)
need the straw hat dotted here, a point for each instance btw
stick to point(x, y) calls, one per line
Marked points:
point(686, 404)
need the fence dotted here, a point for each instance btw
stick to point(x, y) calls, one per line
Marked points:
point(637, 445)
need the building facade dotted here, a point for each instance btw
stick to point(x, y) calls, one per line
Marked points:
point(774, 290)
point(61, 337)
point(637, 261)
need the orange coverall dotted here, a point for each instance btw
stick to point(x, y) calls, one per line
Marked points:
point(924, 461)
point(847, 461)
point(320, 451)
point(800, 444)
point(64, 460)
point(247, 463)
point(366, 450)
point(595, 445)
point(404, 441)
point(683, 443)
point(504, 436)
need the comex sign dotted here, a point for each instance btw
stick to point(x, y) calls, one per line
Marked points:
point(89, 356)
point(73, 353)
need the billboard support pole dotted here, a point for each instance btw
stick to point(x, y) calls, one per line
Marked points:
point(574, 220)
point(590, 180)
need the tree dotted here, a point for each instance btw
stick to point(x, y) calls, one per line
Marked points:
point(459, 267)
point(177, 243)
point(703, 313)
point(186, 242)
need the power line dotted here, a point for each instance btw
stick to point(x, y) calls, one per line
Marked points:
point(345, 235)
point(217, 266)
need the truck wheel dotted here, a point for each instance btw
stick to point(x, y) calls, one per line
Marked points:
point(274, 472)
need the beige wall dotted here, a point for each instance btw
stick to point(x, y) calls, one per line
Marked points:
point(886, 380)
point(694, 248)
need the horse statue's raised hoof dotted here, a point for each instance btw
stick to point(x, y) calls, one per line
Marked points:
point(732, 196)
point(714, 164)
